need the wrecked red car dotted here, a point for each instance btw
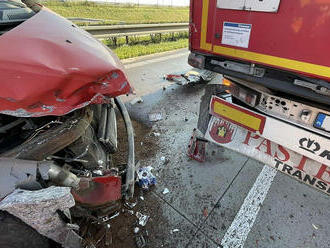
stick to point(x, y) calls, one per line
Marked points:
point(58, 129)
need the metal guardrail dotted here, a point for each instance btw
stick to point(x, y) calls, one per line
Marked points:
point(102, 32)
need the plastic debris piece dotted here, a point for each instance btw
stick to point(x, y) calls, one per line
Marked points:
point(166, 191)
point(174, 231)
point(142, 198)
point(107, 218)
point(130, 204)
point(146, 178)
point(315, 227)
point(174, 78)
point(155, 117)
point(193, 76)
point(162, 158)
point(205, 212)
point(131, 212)
point(136, 230)
point(143, 219)
point(140, 241)
point(156, 134)
point(108, 235)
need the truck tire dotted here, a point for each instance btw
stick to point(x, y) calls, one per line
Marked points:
point(14, 233)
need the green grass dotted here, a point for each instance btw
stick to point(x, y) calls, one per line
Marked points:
point(125, 52)
point(114, 14)
point(145, 45)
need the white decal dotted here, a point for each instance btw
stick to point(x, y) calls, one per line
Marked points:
point(236, 34)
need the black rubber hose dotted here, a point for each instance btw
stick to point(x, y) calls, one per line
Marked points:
point(129, 186)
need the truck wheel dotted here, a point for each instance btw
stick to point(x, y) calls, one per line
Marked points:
point(14, 233)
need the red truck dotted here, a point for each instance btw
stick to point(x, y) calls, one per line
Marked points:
point(273, 103)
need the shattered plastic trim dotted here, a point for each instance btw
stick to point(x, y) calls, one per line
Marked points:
point(39, 208)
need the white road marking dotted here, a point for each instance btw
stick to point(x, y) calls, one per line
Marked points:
point(239, 229)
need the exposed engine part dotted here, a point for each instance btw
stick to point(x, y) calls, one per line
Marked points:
point(54, 139)
point(63, 177)
point(9, 126)
point(107, 132)
point(88, 148)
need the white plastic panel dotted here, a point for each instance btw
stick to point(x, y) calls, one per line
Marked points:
point(250, 5)
point(231, 4)
point(262, 5)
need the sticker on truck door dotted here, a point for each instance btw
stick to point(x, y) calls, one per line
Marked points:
point(236, 34)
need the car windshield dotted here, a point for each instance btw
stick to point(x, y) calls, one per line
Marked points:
point(12, 14)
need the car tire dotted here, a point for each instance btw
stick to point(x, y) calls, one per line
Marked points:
point(14, 233)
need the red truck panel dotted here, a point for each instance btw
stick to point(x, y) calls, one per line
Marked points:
point(295, 38)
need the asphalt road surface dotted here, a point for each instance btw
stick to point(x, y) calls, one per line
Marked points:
point(228, 201)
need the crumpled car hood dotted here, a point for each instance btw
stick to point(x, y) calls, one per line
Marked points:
point(49, 66)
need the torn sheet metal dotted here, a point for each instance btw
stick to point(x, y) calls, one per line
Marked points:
point(15, 172)
point(287, 161)
point(49, 66)
point(39, 209)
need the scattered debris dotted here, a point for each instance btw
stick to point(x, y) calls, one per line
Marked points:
point(131, 212)
point(143, 219)
point(315, 227)
point(156, 134)
point(108, 235)
point(136, 230)
point(107, 218)
point(173, 78)
point(155, 117)
point(140, 241)
point(193, 76)
point(146, 178)
point(174, 231)
point(142, 198)
point(130, 205)
point(164, 160)
point(166, 191)
point(196, 147)
point(199, 76)
point(205, 212)
point(136, 100)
